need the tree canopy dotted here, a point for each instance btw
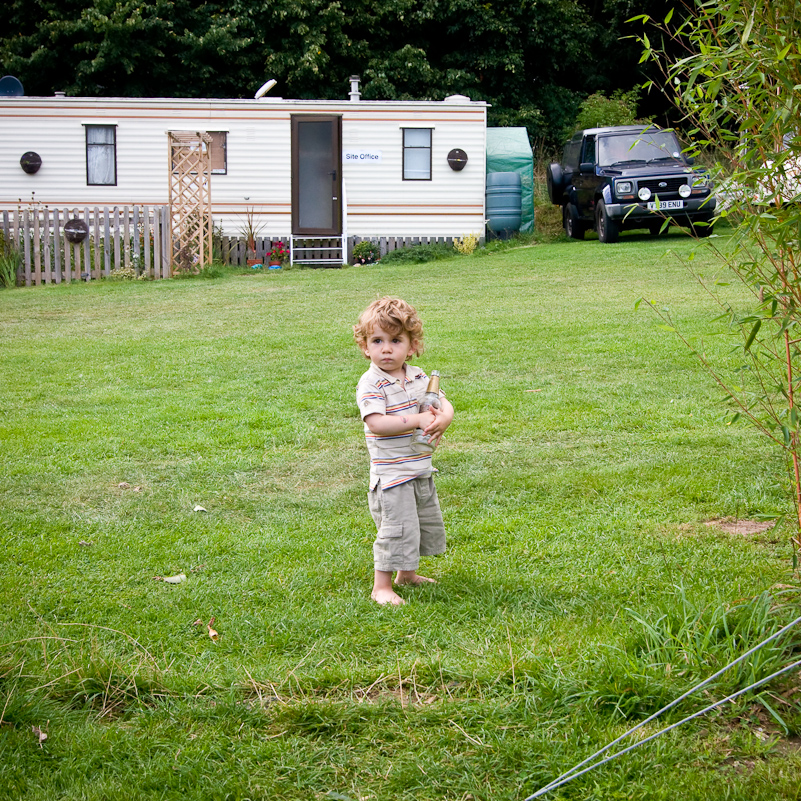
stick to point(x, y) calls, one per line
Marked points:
point(533, 60)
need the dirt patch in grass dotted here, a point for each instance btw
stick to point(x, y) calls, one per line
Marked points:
point(745, 528)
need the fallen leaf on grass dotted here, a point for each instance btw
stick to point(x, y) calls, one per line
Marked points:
point(171, 579)
point(124, 485)
point(198, 622)
point(213, 634)
point(40, 734)
point(532, 390)
point(199, 508)
point(86, 543)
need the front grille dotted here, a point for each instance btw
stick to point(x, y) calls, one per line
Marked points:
point(653, 184)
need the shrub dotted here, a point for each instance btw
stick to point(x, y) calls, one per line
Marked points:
point(366, 252)
point(466, 245)
point(598, 110)
point(123, 274)
point(418, 254)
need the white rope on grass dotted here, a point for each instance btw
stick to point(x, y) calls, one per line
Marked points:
point(574, 772)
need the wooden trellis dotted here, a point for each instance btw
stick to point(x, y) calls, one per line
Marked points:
point(190, 199)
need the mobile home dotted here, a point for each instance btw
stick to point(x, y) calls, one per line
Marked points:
point(300, 168)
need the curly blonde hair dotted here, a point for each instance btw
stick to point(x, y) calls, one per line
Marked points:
point(394, 316)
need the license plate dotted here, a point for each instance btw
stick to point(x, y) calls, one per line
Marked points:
point(665, 204)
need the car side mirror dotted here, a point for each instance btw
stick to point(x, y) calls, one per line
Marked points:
point(690, 160)
point(586, 166)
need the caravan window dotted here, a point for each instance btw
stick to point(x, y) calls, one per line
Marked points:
point(219, 152)
point(101, 155)
point(417, 154)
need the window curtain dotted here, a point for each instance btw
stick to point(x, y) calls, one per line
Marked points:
point(100, 156)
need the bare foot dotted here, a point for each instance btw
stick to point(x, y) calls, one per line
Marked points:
point(384, 596)
point(411, 577)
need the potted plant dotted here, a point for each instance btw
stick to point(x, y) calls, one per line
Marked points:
point(278, 253)
point(250, 230)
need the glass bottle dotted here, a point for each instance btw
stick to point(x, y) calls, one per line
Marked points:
point(421, 442)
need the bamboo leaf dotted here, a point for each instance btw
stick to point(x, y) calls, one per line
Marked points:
point(748, 26)
point(752, 335)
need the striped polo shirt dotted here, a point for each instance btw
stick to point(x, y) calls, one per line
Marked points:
point(392, 461)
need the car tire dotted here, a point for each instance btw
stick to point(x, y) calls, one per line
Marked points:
point(555, 179)
point(607, 228)
point(574, 228)
point(655, 228)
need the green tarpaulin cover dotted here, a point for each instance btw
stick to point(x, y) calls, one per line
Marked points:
point(508, 150)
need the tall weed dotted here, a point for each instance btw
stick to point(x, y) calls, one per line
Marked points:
point(687, 643)
point(9, 262)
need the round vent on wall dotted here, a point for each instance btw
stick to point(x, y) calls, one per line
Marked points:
point(30, 162)
point(457, 159)
point(76, 230)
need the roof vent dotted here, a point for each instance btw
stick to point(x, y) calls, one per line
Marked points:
point(59, 94)
point(355, 95)
point(264, 88)
point(457, 99)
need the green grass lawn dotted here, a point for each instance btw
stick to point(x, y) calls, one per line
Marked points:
point(588, 453)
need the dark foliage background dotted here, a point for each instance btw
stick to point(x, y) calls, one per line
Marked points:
point(533, 60)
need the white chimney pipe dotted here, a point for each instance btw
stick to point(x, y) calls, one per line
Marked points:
point(355, 95)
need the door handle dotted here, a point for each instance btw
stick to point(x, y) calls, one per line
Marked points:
point(333, 174)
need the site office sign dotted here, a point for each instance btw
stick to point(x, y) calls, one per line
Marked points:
point(361, 156)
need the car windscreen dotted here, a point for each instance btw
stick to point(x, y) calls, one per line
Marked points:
point(643, 146)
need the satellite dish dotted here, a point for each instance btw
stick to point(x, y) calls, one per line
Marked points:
point(10, 87)
point(265, 88)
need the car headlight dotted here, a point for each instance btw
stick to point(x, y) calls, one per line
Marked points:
point(623, 187)
point(644, 193)
point(684, 190)
point(700, 181)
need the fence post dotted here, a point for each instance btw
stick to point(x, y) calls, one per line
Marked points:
point(166, 250)
point(146, 237)
point(37, 248)
point(137, 252)
point(57, 246)
point(67, 276)
point(47, 276)
point(116, 238)
point(106, 243)
point(127, 244)
point(26, 246)
point(156, 245)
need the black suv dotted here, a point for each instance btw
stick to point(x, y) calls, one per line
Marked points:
point(626, 177)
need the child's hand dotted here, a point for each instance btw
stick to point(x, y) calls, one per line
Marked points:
point(436, 428)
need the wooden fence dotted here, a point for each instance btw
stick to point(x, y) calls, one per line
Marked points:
point(133, 238)
point(233, 249)
point(386, 244)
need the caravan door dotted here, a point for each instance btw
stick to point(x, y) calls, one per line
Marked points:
point(316, 175)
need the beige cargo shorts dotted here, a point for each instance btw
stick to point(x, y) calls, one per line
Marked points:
point(409, 523)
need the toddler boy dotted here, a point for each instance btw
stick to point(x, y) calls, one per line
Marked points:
point(402, 498)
